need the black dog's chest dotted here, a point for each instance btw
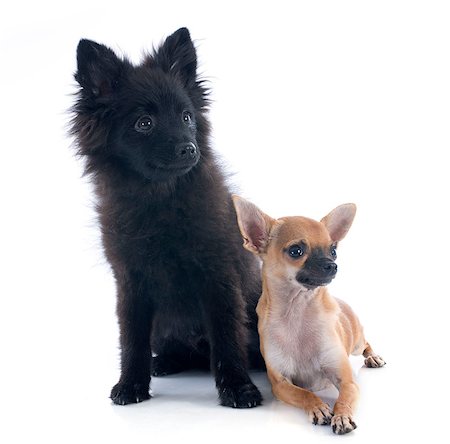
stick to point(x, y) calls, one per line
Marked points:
point(154, 236)
point(164, 243)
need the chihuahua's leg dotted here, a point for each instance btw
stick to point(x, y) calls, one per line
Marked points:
point(318, 412)
point(372, 359)
point(342, 421)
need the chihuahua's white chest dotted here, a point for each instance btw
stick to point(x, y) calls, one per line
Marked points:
point(297, 342)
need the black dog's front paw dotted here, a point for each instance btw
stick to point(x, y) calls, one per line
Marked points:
point(242, 397)
point(129, 393)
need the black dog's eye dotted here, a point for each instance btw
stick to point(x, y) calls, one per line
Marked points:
point(187, 117)
point(295, 251)
point(144, 124)
point(333, 251)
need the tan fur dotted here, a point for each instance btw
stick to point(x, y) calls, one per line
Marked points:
point(306, 335)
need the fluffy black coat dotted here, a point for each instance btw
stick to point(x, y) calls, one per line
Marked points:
point(186, 289)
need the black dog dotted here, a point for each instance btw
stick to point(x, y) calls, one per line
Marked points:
point(186, 289)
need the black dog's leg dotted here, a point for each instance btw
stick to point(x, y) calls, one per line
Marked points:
point(135, 316)
point(255, 359)
point(225, 319)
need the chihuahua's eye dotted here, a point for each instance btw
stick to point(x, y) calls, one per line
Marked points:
point(144, 124)
point(187, 117)
point(333, 251)
point(295, 251)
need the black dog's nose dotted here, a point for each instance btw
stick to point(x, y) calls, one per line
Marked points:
point(186, 151)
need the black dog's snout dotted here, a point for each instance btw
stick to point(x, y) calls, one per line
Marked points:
point(186, 151)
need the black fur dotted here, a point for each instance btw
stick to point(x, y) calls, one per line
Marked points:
point(186, 289)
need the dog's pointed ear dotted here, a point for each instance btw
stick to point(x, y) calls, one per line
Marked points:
point(254, 225)
point(177, 55)
point(339, 221)
point(98, 70)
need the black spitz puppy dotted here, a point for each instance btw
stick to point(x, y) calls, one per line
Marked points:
point(186, 289)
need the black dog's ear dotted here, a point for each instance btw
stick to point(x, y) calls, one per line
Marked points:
point(98, 68)
point(177, 55)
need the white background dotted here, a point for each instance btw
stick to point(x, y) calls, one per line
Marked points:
point(315, 104)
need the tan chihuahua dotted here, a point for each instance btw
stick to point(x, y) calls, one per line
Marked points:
point(306, 334)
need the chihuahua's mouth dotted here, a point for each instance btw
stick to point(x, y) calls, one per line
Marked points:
point(317, 272)
point(311, 284)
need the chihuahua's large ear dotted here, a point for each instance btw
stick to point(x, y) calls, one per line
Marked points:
point(254, 225)
point(98, 69)
point(177, 55)
point(339, 221)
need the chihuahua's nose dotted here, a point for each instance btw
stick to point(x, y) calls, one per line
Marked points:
point(330, 267)
point(186, 151)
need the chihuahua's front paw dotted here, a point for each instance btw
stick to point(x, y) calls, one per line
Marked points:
point(374, 361)
point(342, 424)
point(126, 393)
point(242, 397)
point(320, 414)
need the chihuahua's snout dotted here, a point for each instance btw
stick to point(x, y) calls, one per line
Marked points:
point(330, 267)
point(325, 268)
point(317, 272)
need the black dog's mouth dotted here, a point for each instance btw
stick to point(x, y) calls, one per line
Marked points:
point(171, 169)
point(161, 173)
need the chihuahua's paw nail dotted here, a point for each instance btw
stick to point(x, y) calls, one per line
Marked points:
point(374, 361)
point(342, 424)
point(321, 415)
